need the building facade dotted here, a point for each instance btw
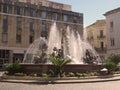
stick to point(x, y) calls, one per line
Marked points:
point(96, 36)
point(23, 21)
point(113, 31)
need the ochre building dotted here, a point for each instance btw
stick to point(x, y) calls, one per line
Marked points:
point(96, 35)
point(23, 21)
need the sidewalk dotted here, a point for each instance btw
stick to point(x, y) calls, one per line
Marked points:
point(64, 80)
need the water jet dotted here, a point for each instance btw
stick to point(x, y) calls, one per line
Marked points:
point(65, 43)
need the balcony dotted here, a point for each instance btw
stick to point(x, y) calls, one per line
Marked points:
point(101, 50)
point(101, 36)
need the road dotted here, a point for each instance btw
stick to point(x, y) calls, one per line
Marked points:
point(111, 85)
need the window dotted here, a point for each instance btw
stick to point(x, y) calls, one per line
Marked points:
point(5, 23)
point(18, 38)
point(75, 19)
point(111, 25)
point(5, 8)
point(31, 26)
point(4, 54)
point(65, 18)
point(31, 12)
point(19, 12)
point(19, 25)
point(4, 37)
point(101, 33)
point(31, 39)
point(43, 27)
point(43, 15)
point(44, 31)
point(54, 16)
point(112, 41)
point(102, 45)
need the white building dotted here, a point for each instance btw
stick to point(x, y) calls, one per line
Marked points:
point(113, 31)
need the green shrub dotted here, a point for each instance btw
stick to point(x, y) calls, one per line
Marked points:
point(111, 66)
point(92, 73)
point(63, 74)
point(34, 75)
point(79, 74)
point(45, 75)
point(20, 74)
point(85, 74)
point(82, 74)
point(117, 72)
point(71, 74)
point(114, 58)
point(13, 68)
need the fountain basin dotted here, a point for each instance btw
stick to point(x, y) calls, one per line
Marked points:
point(45, 68)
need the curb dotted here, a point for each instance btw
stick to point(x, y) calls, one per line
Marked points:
point(55, 82)
point(62, 81)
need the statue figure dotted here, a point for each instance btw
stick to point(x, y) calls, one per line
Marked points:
point(57, 52)
point(90, 58)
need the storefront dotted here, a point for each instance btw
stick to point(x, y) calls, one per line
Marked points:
point(11, 56)
point(4, 56)
point(18, 55)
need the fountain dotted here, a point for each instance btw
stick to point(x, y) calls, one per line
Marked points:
point(66, 43)
point(36, 51)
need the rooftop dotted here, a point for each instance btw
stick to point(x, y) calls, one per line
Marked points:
point(112, 11)
point(46, 3)
point(97, 22)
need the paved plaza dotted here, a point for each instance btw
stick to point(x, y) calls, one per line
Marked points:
point(85, 84)
point(111, 85)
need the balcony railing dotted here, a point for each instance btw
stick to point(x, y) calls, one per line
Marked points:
point(101, 50)
point(101, 37)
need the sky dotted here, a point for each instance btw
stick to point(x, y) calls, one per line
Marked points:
point(92, 9)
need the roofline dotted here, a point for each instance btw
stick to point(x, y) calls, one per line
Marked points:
point(95, 23)
point(112, 11)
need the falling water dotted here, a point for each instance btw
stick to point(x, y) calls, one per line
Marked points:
point(73, 46)
point(54, 39)
point(34, 50)
point(87, 46)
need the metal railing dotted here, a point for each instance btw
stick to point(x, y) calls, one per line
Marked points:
point(101, 50)
point(101, 36)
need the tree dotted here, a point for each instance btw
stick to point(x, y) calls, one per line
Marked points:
point(115, 58)
point(59, 63)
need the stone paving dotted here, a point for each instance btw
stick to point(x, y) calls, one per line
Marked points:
point(113, 85)
point(63, 80)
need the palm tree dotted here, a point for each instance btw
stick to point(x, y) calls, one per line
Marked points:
point(59, 63)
